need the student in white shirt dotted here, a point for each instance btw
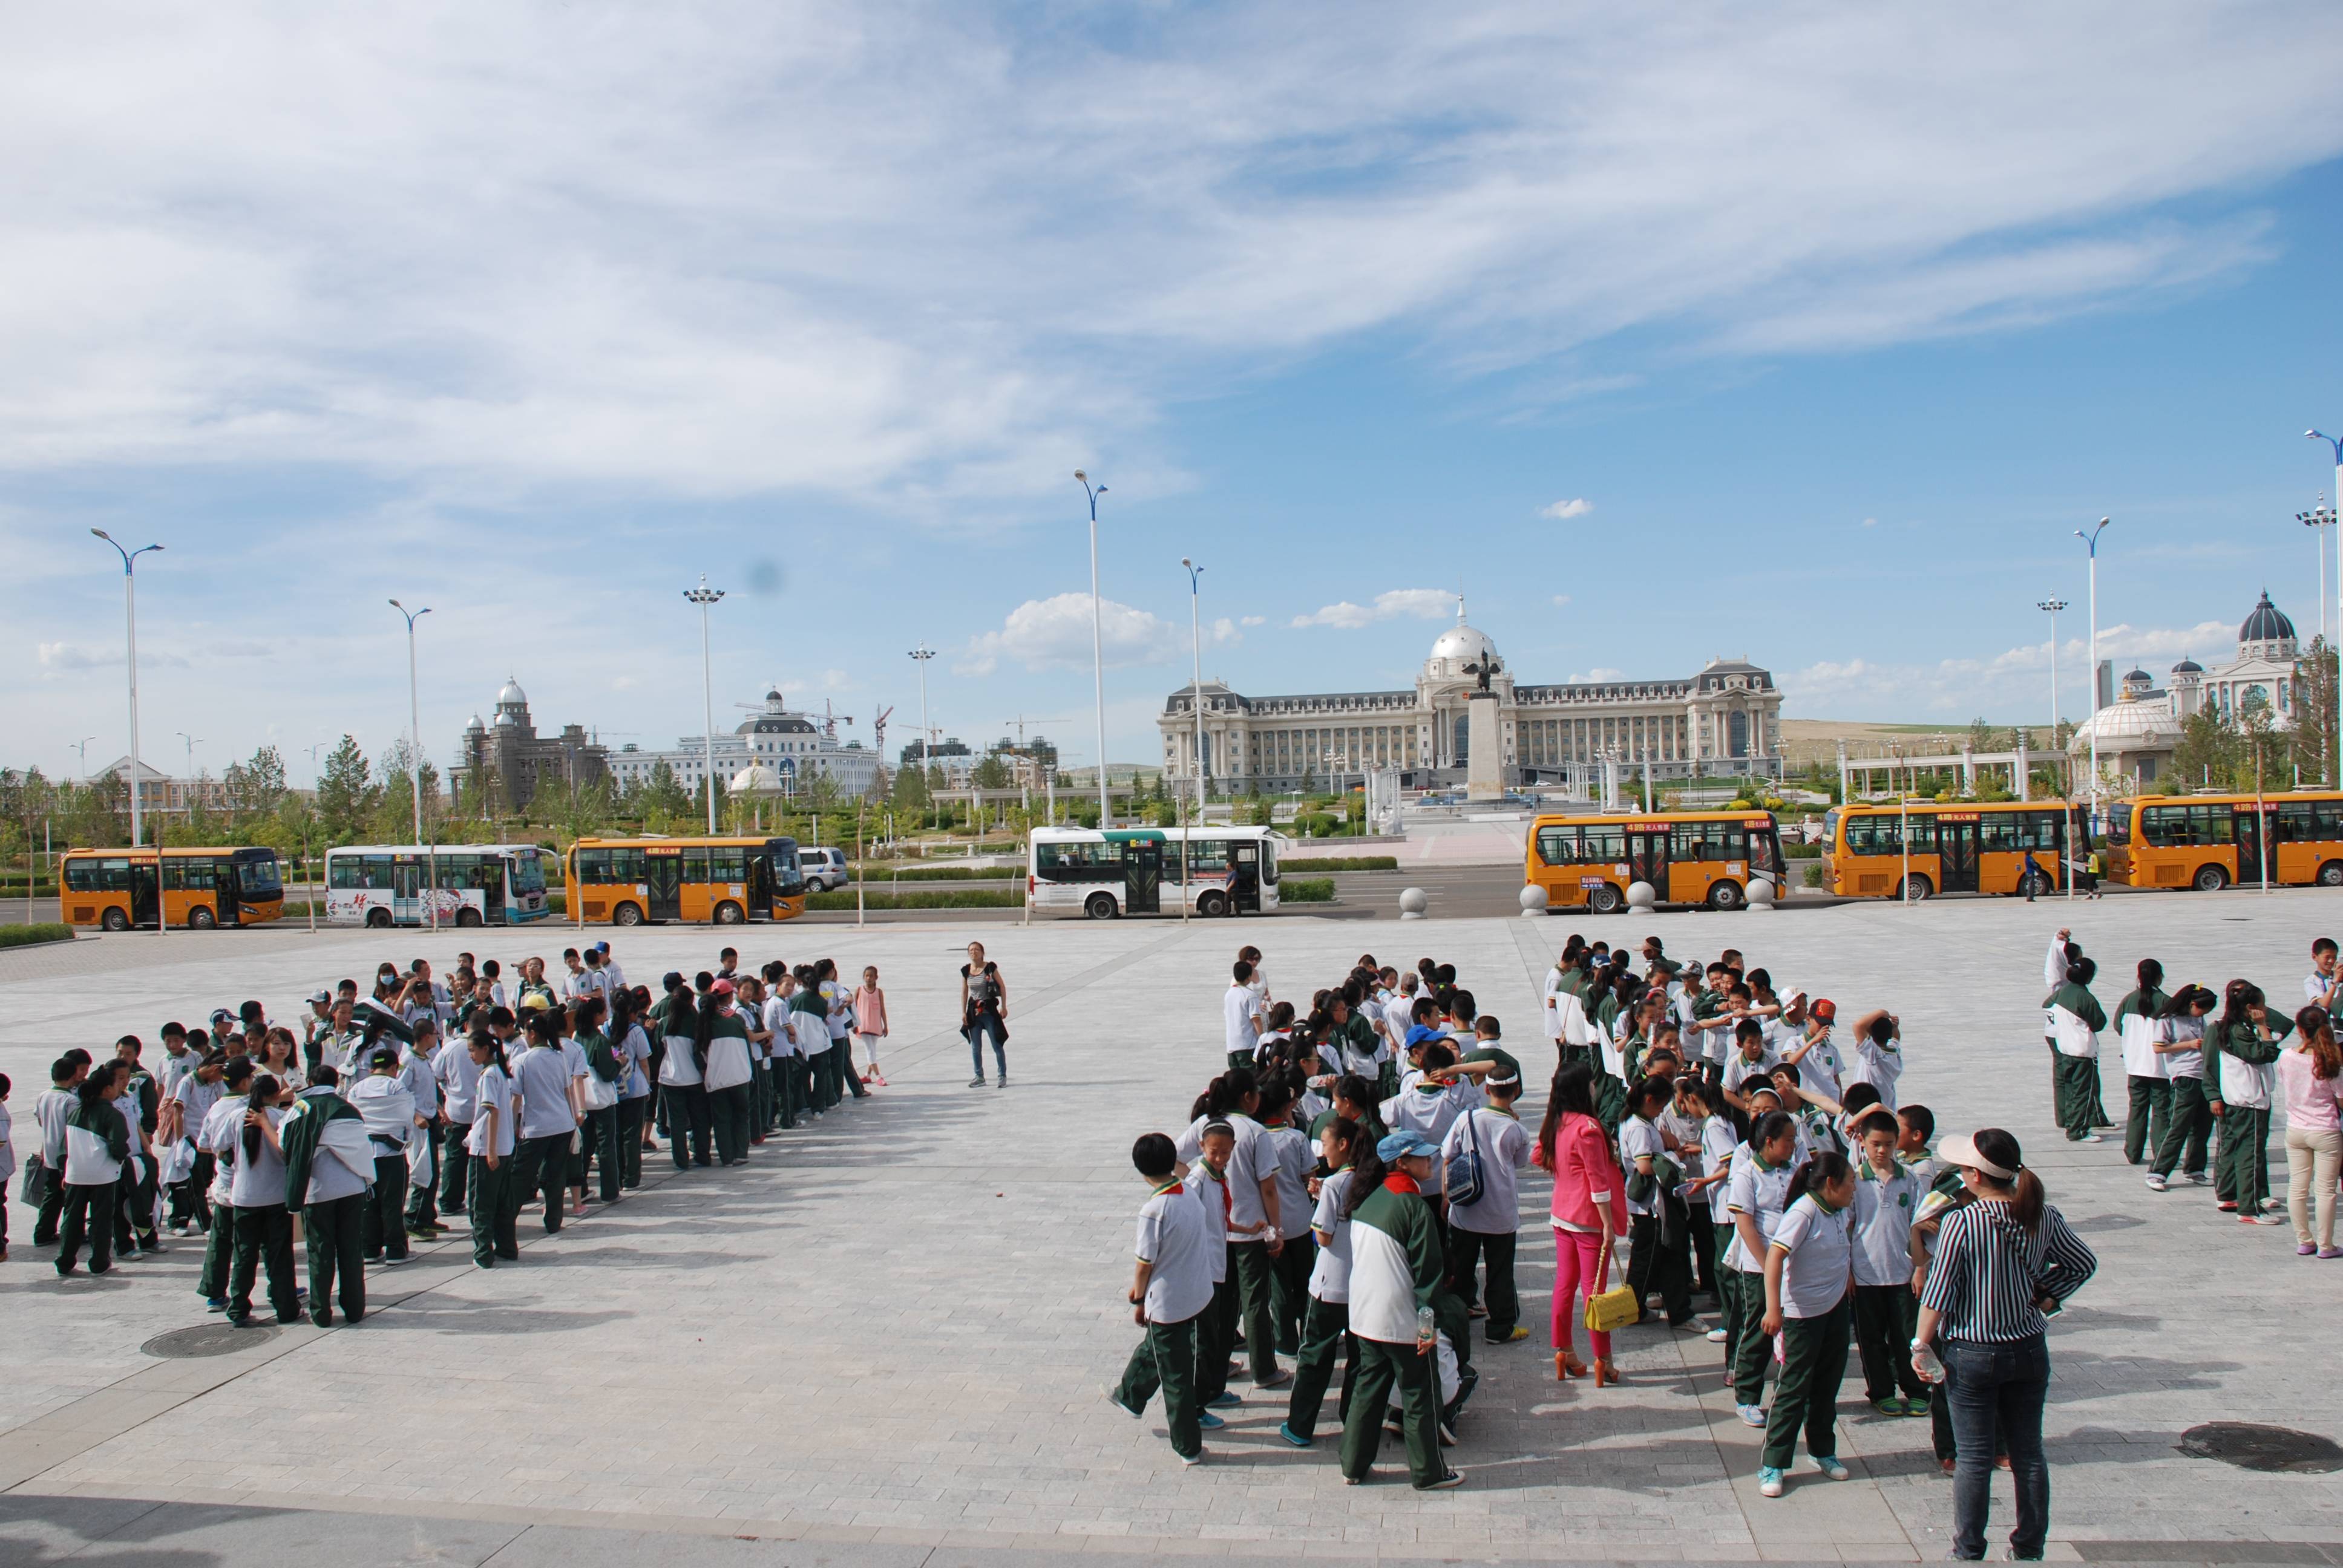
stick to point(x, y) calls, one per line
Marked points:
point(488, 1144)
point(1327, 1328)
point(458, 1074)
point(1659, 1245)
point(1711, 1227)
point(689, 1126)
point(1485, 1228)
point(1170, 1292)
point(264, 1227)
point(1241, 1016)
point(383, 1097)
point(1879, 1055)
point(1282, 1158)
point(1809, 1274)
point(1756, 1193)
point(1886, 1198)
point(549, 1114)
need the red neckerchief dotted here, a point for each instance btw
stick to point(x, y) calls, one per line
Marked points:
point(1401, 1181)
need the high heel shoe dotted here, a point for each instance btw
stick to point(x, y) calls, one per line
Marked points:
point(1605, 1373)
point(1567, 1366)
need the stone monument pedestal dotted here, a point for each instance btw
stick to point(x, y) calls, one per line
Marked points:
point(1484, 760)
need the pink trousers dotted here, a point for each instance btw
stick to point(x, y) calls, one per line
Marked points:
point(1577, 1261)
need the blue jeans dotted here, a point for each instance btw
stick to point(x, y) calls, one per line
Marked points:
point(987, 1023)
point(1986, 1384)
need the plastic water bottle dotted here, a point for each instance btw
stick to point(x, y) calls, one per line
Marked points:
point(1925, 1361)
point(1426, 1334)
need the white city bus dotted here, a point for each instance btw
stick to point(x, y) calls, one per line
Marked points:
point(1140, 871)
point(472, 884)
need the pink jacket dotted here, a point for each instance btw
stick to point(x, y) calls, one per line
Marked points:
point(1584, 1174)
point(870, 1010)
point(2310, 1100)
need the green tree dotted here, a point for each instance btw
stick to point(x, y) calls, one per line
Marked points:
point(2209, 750)
point(665, 798)
point(256, 787)
point(346, 792)
point(991, 772)
point(2313, 736)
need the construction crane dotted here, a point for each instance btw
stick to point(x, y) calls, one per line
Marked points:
point(878, 732)
point(830, 719)
point(1022, 719)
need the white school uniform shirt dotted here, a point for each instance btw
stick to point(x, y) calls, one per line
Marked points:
point(1240, 1015)
point(1428, 1116)
point(1758, 1192)
point(543, 1073)
point(2247, 1083)
point(459, 1081)
point(1504, 1149)
point(216, 1136)
point(259, 1180)
point(195, 1099)
point(49, 1113)
point(1173, 1238)
point(1882, 1211)
point(839, 1019)
point(1565, 1015)
point(2315, 986)
point(2073, 1035)
point(495, 1088)
point(775, 1020)
point(87, 1160)
point(1284, 1155)
point(635, 1050)
point(679, 1069)
point(1739, 1069)
point(1819, 1070)
point(2054, 966)
point(1717, 1150)
point(728, 1062)
point(1877, 1066)
point(573, 986)
point(1639, 1139)
point(416, 1072)
point(1210, 1200)
point(2190, 1063)
point(1330, 1276)
point(1819, 1263)
point(388, 1105)
point(2140, 1057)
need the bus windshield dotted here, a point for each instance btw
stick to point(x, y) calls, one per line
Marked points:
point(527, 872)
point(258, 875)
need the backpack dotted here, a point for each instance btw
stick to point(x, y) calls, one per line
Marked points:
point(1463, 1175)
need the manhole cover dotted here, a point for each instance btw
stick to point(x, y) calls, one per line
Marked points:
point(2107, 1222)
point(208, 1340)
point(2251, 1447)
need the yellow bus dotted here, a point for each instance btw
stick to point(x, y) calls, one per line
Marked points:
point(722, 881)
point(2214, 841)
point(1978, 846)
point(1688, 857)
point(143, 887)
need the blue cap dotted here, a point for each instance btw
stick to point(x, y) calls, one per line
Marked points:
point(1397, 1144)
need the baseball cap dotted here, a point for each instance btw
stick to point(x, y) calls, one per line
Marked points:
point(324, 996)
point(1822, 1010)
point(222, 1015)
point(722, 988)
point(601, 947)
point(1398, 1144)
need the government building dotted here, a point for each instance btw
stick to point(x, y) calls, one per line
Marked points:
point(1725, 721)
point(512, 758)
point(797, 748)
point(2137, 724)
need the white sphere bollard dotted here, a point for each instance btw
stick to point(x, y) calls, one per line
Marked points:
point(1761, 892)
point(1534, 900)
point(1641, 896)
point(1413, 902)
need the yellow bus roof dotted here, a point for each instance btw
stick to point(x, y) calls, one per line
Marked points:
point(1643, 818)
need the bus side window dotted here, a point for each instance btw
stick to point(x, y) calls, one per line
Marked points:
point(81, 876)
point(695, 864)
point(1557, 846)
point(1602, 845)
point(2326, 819)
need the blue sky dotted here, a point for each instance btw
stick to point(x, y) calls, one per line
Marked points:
point(1806, 334)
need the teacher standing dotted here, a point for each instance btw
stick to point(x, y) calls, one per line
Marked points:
point(2002, 1264)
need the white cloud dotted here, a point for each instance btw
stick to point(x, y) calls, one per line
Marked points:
point(1252, 620)
point(1871, 522)
point(1599, 673)
point(1562, 510)
point(74, 656)
point(1561, 599)
point(1055, 634)
point(1422, 603)
point(1225, 630)
point(2011, 682)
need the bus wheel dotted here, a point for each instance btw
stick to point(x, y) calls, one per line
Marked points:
point(728, 914)
point(114, 921)
point(1726, 896)
point(468, 916)
point(2209, 880)
point(2330, 875)
point(200, 919)
point(1603, 900)
point(1100, 906)
point(626, 915)
point(2033, 885)
point(1211, 904)
point(1916, 889)
point(378, 917)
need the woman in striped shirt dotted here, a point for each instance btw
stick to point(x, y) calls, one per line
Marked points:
point(2003, 1265)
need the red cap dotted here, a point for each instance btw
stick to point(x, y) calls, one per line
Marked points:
point(1823, 1008)
point(722, 988)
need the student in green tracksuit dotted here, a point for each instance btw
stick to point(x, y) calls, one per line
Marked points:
point(328, 1162)
point(1171, 1290)
point(1396, 1269)
point(495, 1208)
point(1327, 1329)
point(2241, 1053)
point(1809, 1281)
point(2150, 1096)
point(2188, 1122)
point(2077, 1018)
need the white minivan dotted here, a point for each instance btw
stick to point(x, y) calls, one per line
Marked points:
point(825, 870)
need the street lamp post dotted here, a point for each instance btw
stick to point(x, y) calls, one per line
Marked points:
point(1196, 640)
point(1098, 648)
point(2091, 541)
point(2335, 447)
point(415, 749)
point(920, 656)
point(2054, 606)
point(704, 597)
point(130, 620)
point(82, 745)
point(2319, 518)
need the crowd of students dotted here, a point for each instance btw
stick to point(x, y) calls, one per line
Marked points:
point(374, 1119)
point(1347, 1188)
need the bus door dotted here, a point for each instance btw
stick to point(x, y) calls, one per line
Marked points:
point(2248, 826)
point(1143, 874)
point(1957, 851)
point(146, 893)
point(489, 874)
point(1244, 876)
point(1647, 856)
point(227, 892)
point(760, 884)
point(663, 874)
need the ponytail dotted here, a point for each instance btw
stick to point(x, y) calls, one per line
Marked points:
point(2151, 975)
point(1202, 1106)
point(1819, 1172)
point(1367, 1173)
point(264, 1093)
point(2025, 1201)
point(2025, 1188)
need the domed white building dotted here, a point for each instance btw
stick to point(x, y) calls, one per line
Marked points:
point(1724, 720)
point(2138, 730)
point(777, 742)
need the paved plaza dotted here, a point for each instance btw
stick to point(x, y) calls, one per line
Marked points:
point(882, 1342)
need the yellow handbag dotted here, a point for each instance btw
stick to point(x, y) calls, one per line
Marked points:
point(1613, 1309)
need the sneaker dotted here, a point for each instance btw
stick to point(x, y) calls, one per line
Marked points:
point(1287, 1433)
point(181, 1228)
point(2199, 1179)
point(394, 1263)
point(1750, 1414)
point(2158, 1184)
point(1003, 1083)
point(2226, 1206)
point(1916, 1404)
point(1716, 1336)
point(1193, 1459)
point(2273, 1205)
point(972, 1083)
point(1448, 1483)
point(1828, 1463)
point(1274, 1379)
point(1476, 1311)
point(1352, 1479)
point(1890, 1407)
point(1691, 1326)
point(1208, 1420)
point(1223, 1399)
point(1769, 1481)
point(214, 1303)
point(2267, 1220)
point(1115, 1399)
point(1511, 1336)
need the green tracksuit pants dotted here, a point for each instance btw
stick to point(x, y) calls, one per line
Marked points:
point(1165, 1361)
point(1380, 1366)
point(2149, 1114)
point(1814, 1361)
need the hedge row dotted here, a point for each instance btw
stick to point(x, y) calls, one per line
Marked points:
point(1341, 863)
point(939, 898)
point(1305, 890)
point(25, 936)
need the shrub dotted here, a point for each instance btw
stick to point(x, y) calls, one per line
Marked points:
point(52, 931)
point(1815, 874)
point(1342, 863)
point(1306, 890)
point(927, 898)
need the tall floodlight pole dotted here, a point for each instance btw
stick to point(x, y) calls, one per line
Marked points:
point(130, 622)
point(704, 597)
point(414, 747)
point(920, 656)
point(2336, 447)
point(2091, 542)
point(1196, 639)
point(2319, 518)
point(2054, 606)
point(1097, 647)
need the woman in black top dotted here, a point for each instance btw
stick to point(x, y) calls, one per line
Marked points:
point(984, 1010)
point(2002, 1266)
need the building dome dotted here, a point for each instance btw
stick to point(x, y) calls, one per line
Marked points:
point(475, 727)
point(512, 696)
point(756, 780)
point(2188, 667)
point(2127, 724)
point(1462, 642)
point(2140, 678)
point(2267, 624)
